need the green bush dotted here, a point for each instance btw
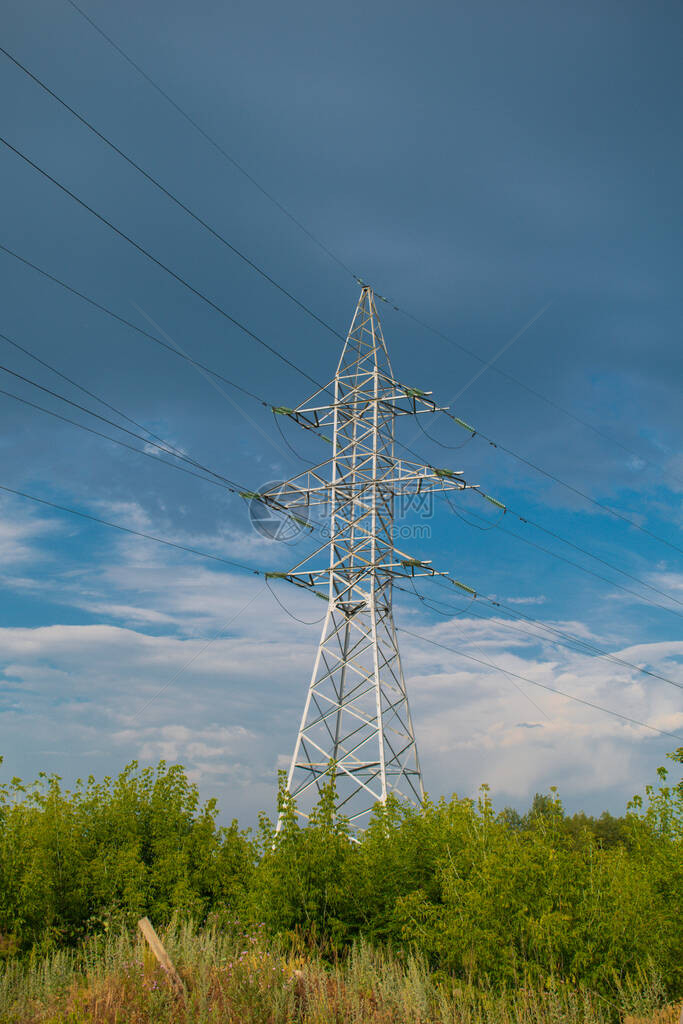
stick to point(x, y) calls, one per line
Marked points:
point(74, 862)
point(502, 899)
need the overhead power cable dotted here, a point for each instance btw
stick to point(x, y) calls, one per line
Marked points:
point(117, 441)
point(213, 142)
point(341, 263)
point(506, 508)
point(543, 686)
point(125, 430)
point(286, 610)
point(136, 533)
point(304, 373)
point(567, 637)
point(153, 259)
point(216, 480)
point(481, 651)
point(259, 572)
point(133, 326)
point(532, 391)
point(590, 572)
point(564, 639)
point(563, 483)
point(213, 477)
point(90, 394)
point(606, 508)
point(269, 405)
point(216, 234)
point(591, 554)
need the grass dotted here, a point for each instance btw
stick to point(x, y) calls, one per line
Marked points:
point(233, 977)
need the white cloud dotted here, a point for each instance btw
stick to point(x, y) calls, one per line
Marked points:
point(145, 683)
point(20, 535)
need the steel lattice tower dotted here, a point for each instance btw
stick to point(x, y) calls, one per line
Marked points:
point(356, 713)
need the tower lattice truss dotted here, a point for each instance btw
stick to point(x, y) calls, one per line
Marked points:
point(356, 713)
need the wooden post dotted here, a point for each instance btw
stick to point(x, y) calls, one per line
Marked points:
point(157, 947)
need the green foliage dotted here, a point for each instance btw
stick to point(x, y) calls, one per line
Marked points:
point(301, 883)
point(77, 861)
point(506, 900)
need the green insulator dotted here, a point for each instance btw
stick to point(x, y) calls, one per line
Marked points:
point(494, 501)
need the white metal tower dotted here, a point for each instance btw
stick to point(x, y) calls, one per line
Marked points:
point(356, 713)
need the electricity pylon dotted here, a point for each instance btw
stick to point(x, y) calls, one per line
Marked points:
point(356, 715)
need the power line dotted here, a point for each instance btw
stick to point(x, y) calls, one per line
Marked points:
point(258, 572)
point(468, 611)
point(213, 142)
point(532, 391)
point(590, 572)
point(135, 533)
point(563, 483)
point(340, 263)
point(497, 604)
point(215, 478)
point(27, 380)
point(565, 638)
point(473, 432)
point(543, 686)
point(289, 362)
point(250, 262)
point(158, 263)
point(295, 618)
point(591, 554)
point(578, 640)
point(114, 440)
point(133, 326)
point(125, 430)
point(548, 551)
point(85, 391)
point(569, 638)
point(266, 404)
point(236, 385)
point(216, 234)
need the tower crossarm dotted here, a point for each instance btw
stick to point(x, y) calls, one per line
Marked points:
point(360, 393)
point(398, 565)
point(361, 481)
point(413, 477)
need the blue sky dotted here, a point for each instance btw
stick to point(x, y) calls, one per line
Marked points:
point(475, 164)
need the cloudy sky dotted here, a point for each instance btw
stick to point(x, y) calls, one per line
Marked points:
point(486, 167)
